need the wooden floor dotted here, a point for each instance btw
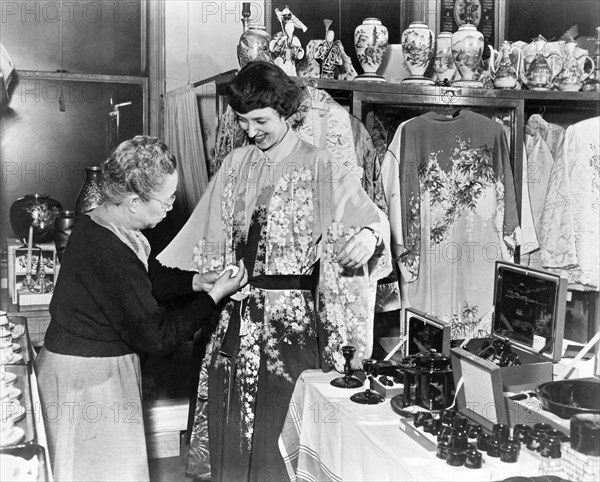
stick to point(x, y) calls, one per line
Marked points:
point(170, 469)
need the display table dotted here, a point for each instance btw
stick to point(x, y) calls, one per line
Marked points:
point(328, 437)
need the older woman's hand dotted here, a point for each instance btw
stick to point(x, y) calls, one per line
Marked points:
point(227, 284)
point(358, 250)
point(204, 281)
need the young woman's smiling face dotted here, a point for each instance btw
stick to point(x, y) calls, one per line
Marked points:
point(264, 126)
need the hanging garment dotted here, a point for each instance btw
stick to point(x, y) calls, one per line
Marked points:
point(582, 155)
point(550, 196)
point(283, 212)
point(458, 215)
point(529, 242)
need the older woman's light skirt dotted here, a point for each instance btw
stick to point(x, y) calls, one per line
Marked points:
point(93, 413)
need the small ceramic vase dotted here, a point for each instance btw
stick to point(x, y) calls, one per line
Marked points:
point(467, 49)
point(90, 196)
point(418, 48)
point(370, 42)
point(444, 63)
point(63, 225)
point(254, 45)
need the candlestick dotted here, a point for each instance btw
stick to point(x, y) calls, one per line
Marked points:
point(29, 251)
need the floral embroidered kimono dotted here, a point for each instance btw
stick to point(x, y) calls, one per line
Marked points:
point(453, 213)
point(286, 212)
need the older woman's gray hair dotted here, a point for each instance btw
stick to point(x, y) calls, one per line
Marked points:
point(136, 166)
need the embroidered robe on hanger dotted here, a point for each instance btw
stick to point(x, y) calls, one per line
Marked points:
point(458, 215)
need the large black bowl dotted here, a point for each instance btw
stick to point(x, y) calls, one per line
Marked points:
point(566, 398)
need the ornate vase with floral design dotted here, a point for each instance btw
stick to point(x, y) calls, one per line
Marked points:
point(443, 64)
point(467, 49)
point(37, 210)
point(254, 45)
point(90, 196)
point(370, 42)
point(418, 48)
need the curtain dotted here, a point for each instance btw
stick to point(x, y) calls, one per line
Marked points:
point(183, 135)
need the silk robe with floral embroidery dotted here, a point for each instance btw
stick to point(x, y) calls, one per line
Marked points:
point(305, 209)
point(453, 214)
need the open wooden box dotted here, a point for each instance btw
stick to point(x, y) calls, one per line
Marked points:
point(529, 311)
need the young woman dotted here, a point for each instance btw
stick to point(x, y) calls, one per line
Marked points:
point(312, 242)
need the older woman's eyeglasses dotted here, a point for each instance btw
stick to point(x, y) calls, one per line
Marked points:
point(166, 206)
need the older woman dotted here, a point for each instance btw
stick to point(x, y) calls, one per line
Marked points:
point(313, 243)
point(104, 312)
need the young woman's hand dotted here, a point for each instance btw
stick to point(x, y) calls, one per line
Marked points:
point(227, 284)
point(358, 250)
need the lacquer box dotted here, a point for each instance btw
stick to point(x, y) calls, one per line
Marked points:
point(529, 314)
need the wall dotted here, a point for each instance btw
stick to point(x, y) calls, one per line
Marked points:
point(201, 41)
point(44, 150)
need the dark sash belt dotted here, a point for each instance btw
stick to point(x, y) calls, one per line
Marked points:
point(283, 282)
point(229, 345)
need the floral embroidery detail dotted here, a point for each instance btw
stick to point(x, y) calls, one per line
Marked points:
point(454, 192)
point(289, 222)
point(467, 324)
point(247, 377)
point(341, 317)
point(413, 254)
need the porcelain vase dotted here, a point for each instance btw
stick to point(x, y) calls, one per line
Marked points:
point(254, 45)
point(90, 196)
point(418, 48)
point(443, 65)
point(370, 42)
point(37, 210)
point(467, 49)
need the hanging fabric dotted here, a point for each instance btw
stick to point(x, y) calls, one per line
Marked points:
point(456, 215)
point(183, 135)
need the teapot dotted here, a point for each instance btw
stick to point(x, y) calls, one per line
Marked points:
point(539, 75)
point(572, 75)
point(505, 65)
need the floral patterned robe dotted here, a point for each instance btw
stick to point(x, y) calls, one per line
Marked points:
point(453, 214)
point(286, 212)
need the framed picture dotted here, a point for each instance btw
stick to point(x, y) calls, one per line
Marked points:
point(488, 16)
point(43, 261)
point(424, 333)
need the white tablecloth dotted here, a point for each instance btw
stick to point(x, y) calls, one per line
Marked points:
point(327, 437)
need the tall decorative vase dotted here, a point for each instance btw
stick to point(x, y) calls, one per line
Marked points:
point(443, 65)
point(467, 49)
point(254, 45)
point(417, 45)
point(90, 196)
point(63, 225)
point(34, 210)
point(370, 42)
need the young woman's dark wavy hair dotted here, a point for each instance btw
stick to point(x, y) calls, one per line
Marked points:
point(262, 84)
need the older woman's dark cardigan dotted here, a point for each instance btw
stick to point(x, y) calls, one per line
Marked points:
point(103, 303)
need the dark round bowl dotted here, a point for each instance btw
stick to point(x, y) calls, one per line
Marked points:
point(566, 398)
